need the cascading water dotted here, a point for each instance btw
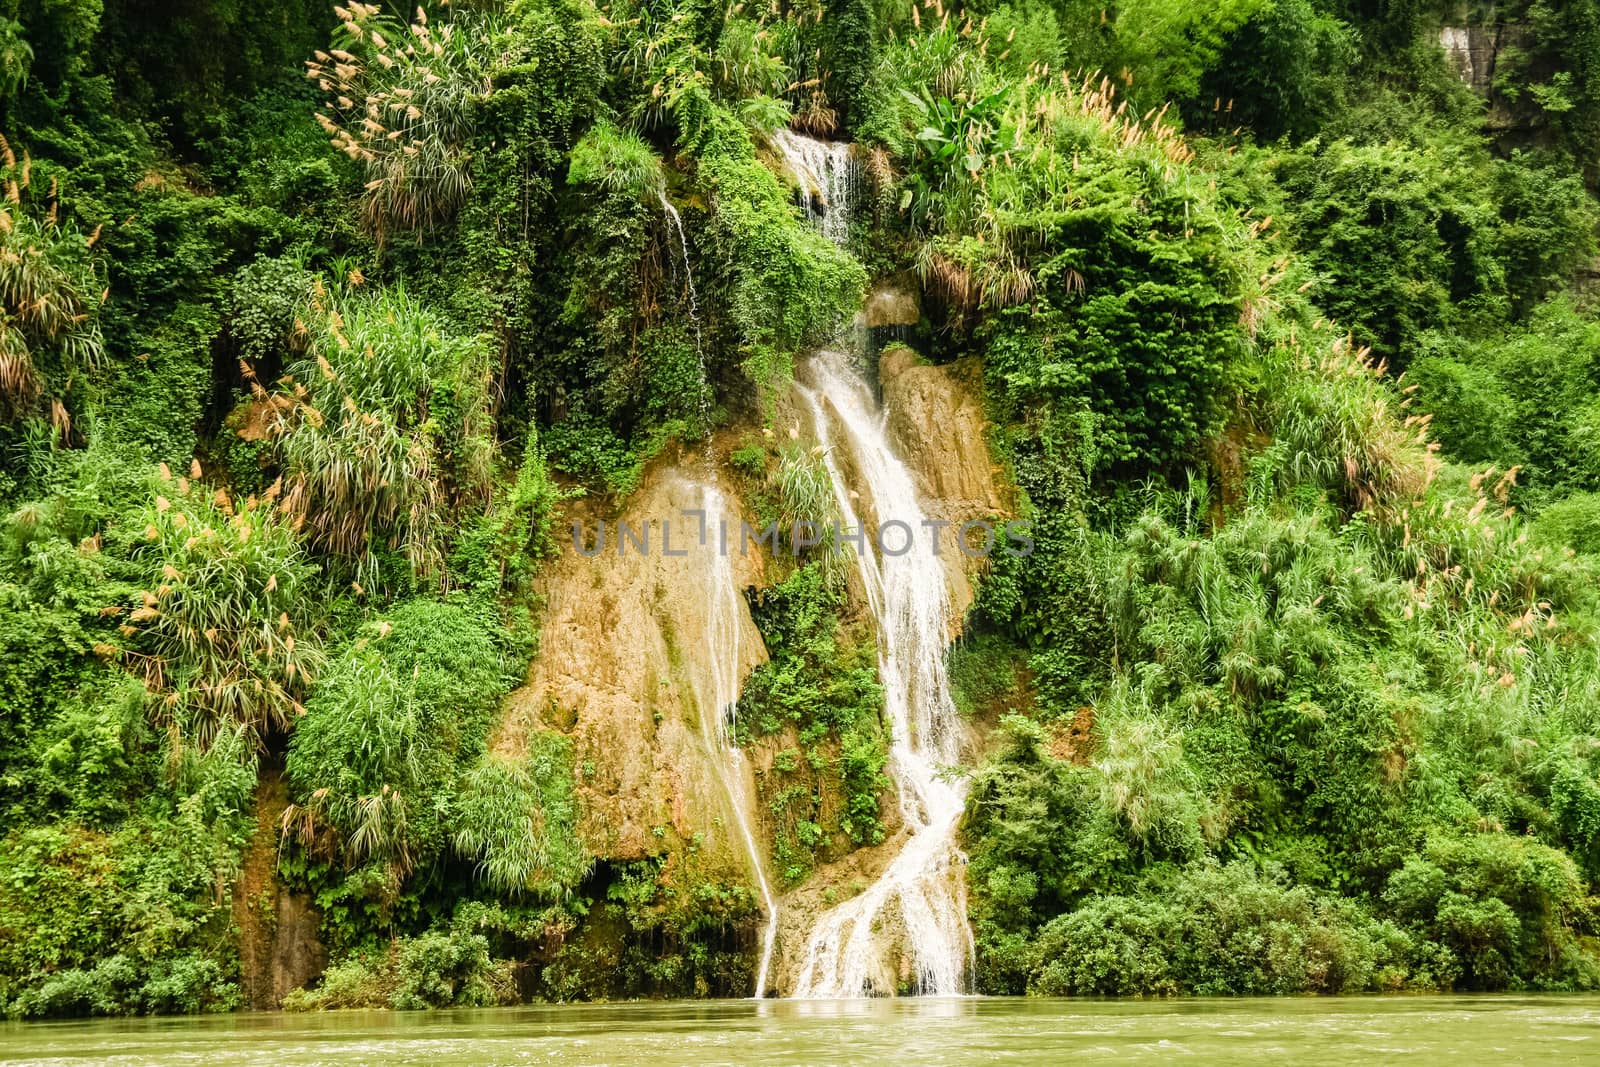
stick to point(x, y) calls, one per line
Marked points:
point(694, 303)
point(826, 171)
point(723, 618)
point(922, 893)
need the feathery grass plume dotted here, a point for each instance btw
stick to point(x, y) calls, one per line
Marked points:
point(389, 426)
point(994, 162)
point(221, 631)
point(400, 100)
point(1338, 422)
point(50, 296)
point(658, 48)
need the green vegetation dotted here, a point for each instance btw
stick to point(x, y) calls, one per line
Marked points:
point(311, 320)
point(819, 697)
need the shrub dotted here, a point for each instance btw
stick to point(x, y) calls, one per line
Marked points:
point(222, 632)
point(375, 760)
point(441, 970)
point(518, 819)
point(1216, 931)
point(1404, 235)
point(1499, 905)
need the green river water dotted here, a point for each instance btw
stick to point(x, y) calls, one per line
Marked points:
point(1370, 1031)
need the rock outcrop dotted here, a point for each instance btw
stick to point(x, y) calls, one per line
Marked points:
point(1474, 48)
point(938, 426)
point(622, 669)
point(280, 949)
point(891, 304)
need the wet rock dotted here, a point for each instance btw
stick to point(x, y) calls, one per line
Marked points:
point(620, 666)
point(937, 423)
point(891, 304)
point(279, 946)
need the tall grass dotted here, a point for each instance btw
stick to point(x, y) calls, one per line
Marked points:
point(50, 295)
point(222, 629)
point(400, 100)
point(618, 161)
point(389, 427)
point(517, 817)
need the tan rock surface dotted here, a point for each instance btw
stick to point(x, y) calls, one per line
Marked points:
point(622, 669)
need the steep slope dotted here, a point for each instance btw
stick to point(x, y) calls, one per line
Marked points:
point(621, 668)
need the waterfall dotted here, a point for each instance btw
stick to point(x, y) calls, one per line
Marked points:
point(850, 951)
point(826, 171)
point(694, 305)
point(724, 614)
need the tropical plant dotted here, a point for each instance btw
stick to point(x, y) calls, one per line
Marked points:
point(400, 714)
point(807, 510)
point(400, 100)
point(387, 425)
point(518, 819)
point(51, 292)
point(223, 632)
point(618, 162)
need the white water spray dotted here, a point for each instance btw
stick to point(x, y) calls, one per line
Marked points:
point(921, 895)
point(826, 171)
point(723, 619)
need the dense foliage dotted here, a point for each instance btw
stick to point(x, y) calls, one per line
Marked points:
point(311, 318)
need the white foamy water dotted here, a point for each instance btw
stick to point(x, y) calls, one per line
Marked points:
point(916, 910)
point(724, 618)
point(826, 171)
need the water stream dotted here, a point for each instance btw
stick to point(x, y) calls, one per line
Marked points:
point(694, 305)
point(826, 171)
point(912, 919)
point(724, 615)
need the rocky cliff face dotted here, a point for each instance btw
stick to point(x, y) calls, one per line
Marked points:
point(624, 659)
point(622, 667)
point(937, 423)
point(1474, 47)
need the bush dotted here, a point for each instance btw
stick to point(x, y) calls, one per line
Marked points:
point(1524, 396)
point(1217, 931)
point(519, 820)
point(1499, 905)
point(376, 759)
point(1404, 236)
point(441, 970)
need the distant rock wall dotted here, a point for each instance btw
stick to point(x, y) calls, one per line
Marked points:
point(1474, 49)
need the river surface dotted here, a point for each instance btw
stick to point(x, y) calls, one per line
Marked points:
point(1370, 1031)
